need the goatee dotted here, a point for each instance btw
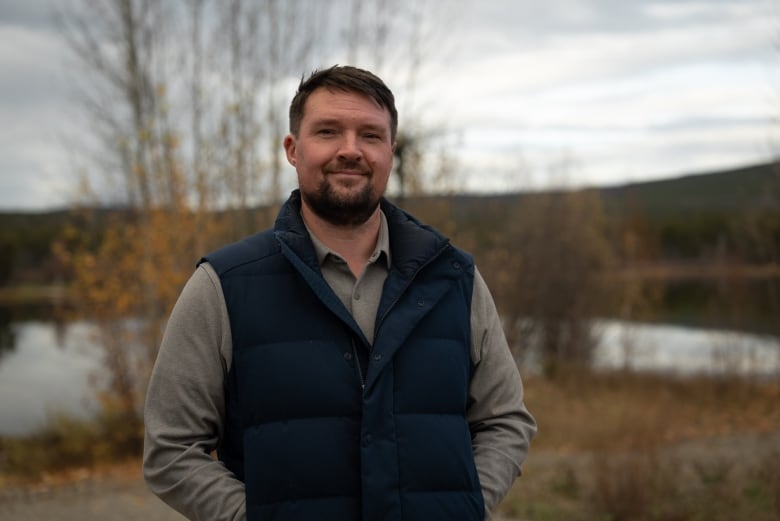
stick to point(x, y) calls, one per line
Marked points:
point(339, 210)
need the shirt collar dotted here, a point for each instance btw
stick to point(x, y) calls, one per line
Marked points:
point(382, 244)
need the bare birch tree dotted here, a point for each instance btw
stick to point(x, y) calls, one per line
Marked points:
point(187, 100)
point(122, 47)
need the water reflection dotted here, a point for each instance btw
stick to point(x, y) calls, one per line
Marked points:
point(737, 303)
point(12, 316)
point(46, 373)
point(50, 369)
point(684, 350)
point(7, 333)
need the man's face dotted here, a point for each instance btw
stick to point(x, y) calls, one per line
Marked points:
point(343, 155)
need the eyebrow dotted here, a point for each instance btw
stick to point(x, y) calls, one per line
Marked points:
point(326, 121)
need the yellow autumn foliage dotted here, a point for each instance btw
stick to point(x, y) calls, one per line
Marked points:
point(126, 286)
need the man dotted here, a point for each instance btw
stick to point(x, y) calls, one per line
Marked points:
point(348, 364)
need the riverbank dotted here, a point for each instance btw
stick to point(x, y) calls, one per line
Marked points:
point(33, 295)
point(557, 485)
point(615, 445)
point(644, 447)
point(116, 493)
point(113, 493)
point(717, 478)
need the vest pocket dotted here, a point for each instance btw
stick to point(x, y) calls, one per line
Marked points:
point(302, 459)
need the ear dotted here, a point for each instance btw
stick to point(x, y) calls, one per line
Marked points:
point(290, 146)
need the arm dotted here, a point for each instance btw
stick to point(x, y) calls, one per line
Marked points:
point(185, 410)
point(501, 426)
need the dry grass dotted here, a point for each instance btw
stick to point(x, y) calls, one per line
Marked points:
point(620, 447)
point(611, 447)
point(614, 411)
point(66, 445)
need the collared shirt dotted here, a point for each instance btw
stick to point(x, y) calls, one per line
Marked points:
point(361, 295)
point(185, 406)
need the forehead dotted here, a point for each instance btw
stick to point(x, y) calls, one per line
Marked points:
point(346, 106)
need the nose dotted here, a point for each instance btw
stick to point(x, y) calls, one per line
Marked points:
point(350, 148)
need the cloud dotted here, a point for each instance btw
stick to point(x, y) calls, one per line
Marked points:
point(35, 107)
point(29, 13)
point(625, 89)
point(574, 59)
point(30, 61)
point(651, 87)
point(530, 22)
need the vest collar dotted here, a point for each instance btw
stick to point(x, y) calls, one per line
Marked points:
point(412, 244)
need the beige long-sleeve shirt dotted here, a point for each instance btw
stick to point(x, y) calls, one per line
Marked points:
point(185, 407)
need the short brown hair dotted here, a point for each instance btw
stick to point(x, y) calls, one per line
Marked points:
point(348, 79)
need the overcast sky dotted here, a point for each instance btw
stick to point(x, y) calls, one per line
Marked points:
point(617, 90)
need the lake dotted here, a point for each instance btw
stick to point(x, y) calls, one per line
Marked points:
point(47, 371)
point(47, 368)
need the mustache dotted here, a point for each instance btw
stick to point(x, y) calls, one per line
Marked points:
point(339, 165)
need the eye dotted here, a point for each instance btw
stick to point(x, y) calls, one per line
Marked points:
point(326, 132)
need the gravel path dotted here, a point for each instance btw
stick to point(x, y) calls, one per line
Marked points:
point(105, 501)
point(124, 497)
point(111, 500)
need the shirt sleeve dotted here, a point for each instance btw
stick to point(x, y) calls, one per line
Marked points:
point(501, 426)
point(185, 407)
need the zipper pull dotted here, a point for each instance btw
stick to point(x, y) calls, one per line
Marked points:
point(357, 364)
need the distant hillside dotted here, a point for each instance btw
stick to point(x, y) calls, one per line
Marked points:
point(718, 192)
point(729, 190)
point(734, 213)
point(723, 190)
point(688, 214)
point(688, 218)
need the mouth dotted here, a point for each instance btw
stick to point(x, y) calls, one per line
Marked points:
point(347, 172)
point(347, 168)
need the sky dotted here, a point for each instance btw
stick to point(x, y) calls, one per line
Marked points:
point(530, 94)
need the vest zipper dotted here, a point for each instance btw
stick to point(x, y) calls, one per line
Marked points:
point(382, 318)
point(357, 363)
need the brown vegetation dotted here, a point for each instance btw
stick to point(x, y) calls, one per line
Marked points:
point(624, 411)
point(623, 446)
point(66, 447)
point(616, 446)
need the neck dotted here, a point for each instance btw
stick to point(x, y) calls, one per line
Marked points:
point(354, 243)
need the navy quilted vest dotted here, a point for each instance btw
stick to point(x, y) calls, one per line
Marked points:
point(312, 436)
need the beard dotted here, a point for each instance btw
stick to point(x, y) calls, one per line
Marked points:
point(348, 210)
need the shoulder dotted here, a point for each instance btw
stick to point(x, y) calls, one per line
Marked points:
point(246, 252)
point(414, 242)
